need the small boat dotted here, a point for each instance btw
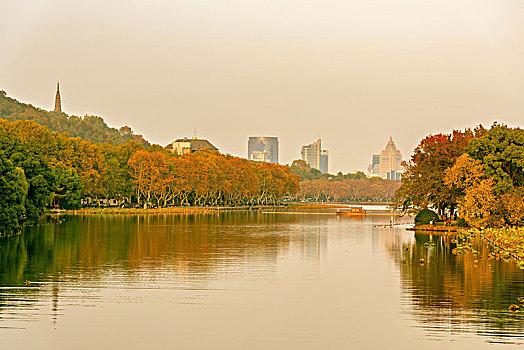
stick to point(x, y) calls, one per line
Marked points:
point(351, 211)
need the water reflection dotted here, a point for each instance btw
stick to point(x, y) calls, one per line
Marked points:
point(457, 294)
point(81, 254)
point(314, 276)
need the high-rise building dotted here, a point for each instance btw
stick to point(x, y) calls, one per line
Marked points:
point(58, 104)
point(390, 158)
point(263, 149)
point(315, 156)
point(374, 167)
point(387, 163)
point(324, 158)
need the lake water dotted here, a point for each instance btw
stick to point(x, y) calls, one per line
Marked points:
point(249, 280)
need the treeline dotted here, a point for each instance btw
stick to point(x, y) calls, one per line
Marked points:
point(90, 128)
point(350, 187)
point(40, 168)
point(480, 172)
point(373, 189)
point(208, 178)
point(306, 172)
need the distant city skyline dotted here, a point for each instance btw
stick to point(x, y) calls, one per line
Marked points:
point(350, 72)
point(315, 156)
point(263, 149)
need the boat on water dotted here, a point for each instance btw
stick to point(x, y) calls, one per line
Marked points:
point(351, 211)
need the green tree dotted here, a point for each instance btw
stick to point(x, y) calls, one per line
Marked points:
point(68, 187)
point(89, 128)
point(14, 189)
point(501, 152)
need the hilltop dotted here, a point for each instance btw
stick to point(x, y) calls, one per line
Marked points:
point(90, 128)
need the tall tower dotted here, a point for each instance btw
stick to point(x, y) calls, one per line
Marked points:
point(315, 156)
point(390, 159)
point(58, 105)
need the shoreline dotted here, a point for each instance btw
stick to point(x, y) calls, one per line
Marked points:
point(434, 228)
point(169, 210)
point(197, 210)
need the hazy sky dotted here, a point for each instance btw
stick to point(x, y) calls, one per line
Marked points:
point(353, 72)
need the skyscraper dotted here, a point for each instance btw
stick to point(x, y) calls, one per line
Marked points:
point(263, 149)
point(390, 158)
point(58, 104)
point(374, 167)
point(324, 160)
point(315, 156)
point(387, 163)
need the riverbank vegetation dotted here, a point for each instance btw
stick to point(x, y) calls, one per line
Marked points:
point(507, 243)
point(179, 210)
point(40, 168)
point(478, 172)
point(351, 187)
point(208, 178)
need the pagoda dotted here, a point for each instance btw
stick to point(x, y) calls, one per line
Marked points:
point(58, 105)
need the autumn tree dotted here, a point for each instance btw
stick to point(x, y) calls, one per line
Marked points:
point(501, 152)
point(489, 178)
point(423, 178)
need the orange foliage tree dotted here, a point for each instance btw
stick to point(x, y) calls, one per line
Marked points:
point(208, 178)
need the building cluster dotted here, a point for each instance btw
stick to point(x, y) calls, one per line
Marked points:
point(265, 149)
point(259, 149)
point(315, 156)
point(387, 164)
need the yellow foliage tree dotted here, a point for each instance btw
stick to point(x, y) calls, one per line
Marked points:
point(465, 173)
point(513, 208)
point(480, 207)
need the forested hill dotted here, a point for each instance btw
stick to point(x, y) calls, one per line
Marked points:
point(89, 128)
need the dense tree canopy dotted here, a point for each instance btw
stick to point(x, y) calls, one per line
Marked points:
point(40, 168)
point(480, 172)
point(373, 189)
point(90, 128)
point(14, 188)
point(423, 178)
point(306, 172)
point(501, 152)
point(350, 187)
point(490, 178)
point(208, 178)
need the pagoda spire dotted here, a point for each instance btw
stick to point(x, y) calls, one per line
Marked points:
point(58, 104)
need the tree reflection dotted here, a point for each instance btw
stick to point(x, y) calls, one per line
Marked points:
point(115, 250)
point(457, 293)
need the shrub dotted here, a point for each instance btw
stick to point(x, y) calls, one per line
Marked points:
point(462, 223)
point(425, 216)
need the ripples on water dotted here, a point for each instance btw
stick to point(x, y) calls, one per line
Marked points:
point(249, 280)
